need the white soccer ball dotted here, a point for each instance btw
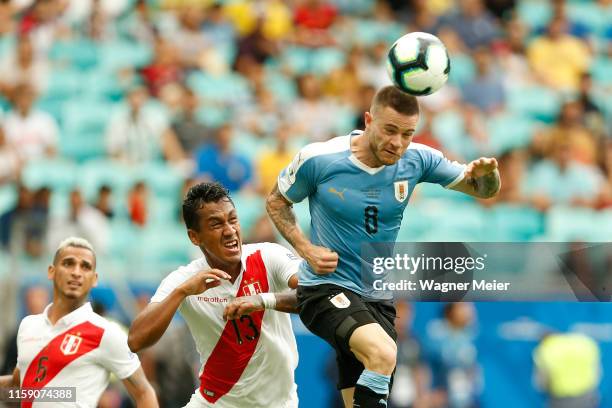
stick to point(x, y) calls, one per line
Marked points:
point(418, 63)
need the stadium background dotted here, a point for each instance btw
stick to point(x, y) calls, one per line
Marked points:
point(144, 97)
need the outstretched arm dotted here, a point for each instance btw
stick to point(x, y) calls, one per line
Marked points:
point(141, 390)
point(321, 259)
point(481, 179)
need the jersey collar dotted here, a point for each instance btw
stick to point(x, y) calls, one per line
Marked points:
point(71, 317)
point(361, 165)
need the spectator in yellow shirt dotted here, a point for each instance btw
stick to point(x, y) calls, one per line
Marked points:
point(559, 59)
point(270, 163)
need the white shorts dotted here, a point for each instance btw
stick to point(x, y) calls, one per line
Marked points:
point(197, 401)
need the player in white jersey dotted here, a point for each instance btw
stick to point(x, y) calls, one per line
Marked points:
point(69, 345)
point(248, 352)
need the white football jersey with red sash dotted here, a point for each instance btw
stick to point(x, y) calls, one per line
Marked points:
point(80, 350)
point(247, 362)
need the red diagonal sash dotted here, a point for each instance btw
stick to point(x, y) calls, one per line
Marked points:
point(237, 343)
point(58, 353)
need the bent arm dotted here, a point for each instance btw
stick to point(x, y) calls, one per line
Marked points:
point(152, 322)
point(141, 390)
point(286, 302)
point(481, 179)
point(11, 380)
point(281, 212)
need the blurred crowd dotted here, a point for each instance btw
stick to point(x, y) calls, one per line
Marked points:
point(230, 89)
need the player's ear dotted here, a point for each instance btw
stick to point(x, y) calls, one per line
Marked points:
point(193, 237)
point(95, 282)
point(367, 118)
point(51, 272)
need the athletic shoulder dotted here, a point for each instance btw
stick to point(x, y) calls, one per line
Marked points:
point(325, 150)
point(422, 150)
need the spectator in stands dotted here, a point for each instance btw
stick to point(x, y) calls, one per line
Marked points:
point(568, 370)
point(270, 163)
point(452, 355)
point(312, 114)
point(23, 228)
point(512, 168)
point(486, 90)
point(7, 22)
point(569, 129)
point(275, 15)
point(188, 38)
point(261, 118)
point(10, 160)
point(420, 17)
point(582, 184)
point(141, 133)
point(41, 21)
point(606, 167)
point(559, 59)
point(313, 20)
point(36, 298)
point(593, 118)
point(257, 46)
point(104, 203)
point(23, 66)
point(33, 132)
point(165, 67)
point(188, 128)
point(512, 55)
point(473, 23)
point(217, 161)
point(138, 198)
point(82, 220)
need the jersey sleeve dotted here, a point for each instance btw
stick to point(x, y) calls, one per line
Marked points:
point(439, 170)
point(298, 180)
point(115, 354)
point(282, 264)
point(170, 282)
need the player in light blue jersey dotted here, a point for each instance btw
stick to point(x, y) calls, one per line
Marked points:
point(358, 187)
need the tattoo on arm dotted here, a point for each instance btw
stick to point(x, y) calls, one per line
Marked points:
point(486, 186)
point(283, 216)
point(286, 302)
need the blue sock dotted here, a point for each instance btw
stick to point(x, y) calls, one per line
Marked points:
point(378, 383)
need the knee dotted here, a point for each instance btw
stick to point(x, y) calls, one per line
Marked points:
point(381, 357)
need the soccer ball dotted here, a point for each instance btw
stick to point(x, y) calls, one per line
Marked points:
point(418, 63)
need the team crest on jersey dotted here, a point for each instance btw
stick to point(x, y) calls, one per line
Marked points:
point(340, 301)
point(70, 344)
point(251, 289)
point(401, 190)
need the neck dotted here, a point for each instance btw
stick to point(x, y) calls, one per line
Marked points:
point(62, 306)
point(360, 147)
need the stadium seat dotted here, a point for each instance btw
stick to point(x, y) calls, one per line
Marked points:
point(224, 88)
point(534, 13)
point(283, 88)
point(533, 101)
point(95, 173)
point(462, 69)
point(163, 180)
point(510, 223)
point(213, 116)
point(124, 54)
point(601, 69)
point(57, 174)
point(567, 224)
point(82, 146)
point(508, 131)
point(86, 116)
point(250, 207)
point(8, 197)
point(102, 85)
point(64, 84)
point(80, 53)
point(324, 60)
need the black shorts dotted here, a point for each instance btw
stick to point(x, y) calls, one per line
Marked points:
point(333, 313)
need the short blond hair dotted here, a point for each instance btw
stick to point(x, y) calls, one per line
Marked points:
point(73, 242)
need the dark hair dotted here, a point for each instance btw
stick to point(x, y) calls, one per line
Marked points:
point(399, 101)
point(197, 196)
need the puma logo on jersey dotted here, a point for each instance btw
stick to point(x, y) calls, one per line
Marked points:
point(338, 193)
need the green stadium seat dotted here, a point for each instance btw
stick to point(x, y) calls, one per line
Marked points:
point(250, 207)
point(163, 180)
point(102, 84)
point(82, 146)
point(324, 60)
point(95, 173)
point(513, 223)
point(534, 13)
point(163, 210)
point(80, 53)
point(226, 88)
point(596, 18)
point(283, 88)
point(297, 59)
point(57, 174)
point(250, 145)
point(8, 197)
point(124, 54)
point(601, 70)
point(213, 116)
point(462, 69)
point(86, 116)
point(566, 224)
point(535, 102)
point(64, 84)
point(508, 131)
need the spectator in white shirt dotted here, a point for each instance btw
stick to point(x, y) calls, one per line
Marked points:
point(34, 133)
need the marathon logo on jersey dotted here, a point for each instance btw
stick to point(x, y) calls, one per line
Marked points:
point(401, 190)
point(70, 344)
point(251, 289)
point(340, 301)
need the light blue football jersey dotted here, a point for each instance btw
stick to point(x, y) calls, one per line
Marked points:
point(351, 203)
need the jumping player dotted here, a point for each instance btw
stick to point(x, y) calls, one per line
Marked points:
point(222, 297)
point(357, 188)
point(69, 345)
